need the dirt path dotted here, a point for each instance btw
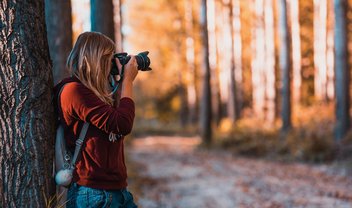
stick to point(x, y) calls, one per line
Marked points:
point(180, 176)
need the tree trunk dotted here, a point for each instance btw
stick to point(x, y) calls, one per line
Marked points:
point(118, 20)
point(330, 52)
point(263, 74)
point(224, 54)
point(205, 105)
point(238, 56)
point(182, 89)
point(306, 17)
point(102, 17)
point(258, 61)
point(277, 60)
point(269, 54)
point(59, 29)
point(285, 64)
point(236, 61)
point(183, 100)
point(247, 52)
point(190, 59)
point(213, 61)
point(320, 33)
point(296, 51)
point(341, 70)
point(26, 115)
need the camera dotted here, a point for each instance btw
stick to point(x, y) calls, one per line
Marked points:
point(142, 59)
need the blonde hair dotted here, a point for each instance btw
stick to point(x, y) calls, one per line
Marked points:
point(90, 62)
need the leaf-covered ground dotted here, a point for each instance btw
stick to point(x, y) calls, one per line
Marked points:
point(175, 173)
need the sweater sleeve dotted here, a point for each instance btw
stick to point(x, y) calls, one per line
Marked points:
point(78, 101)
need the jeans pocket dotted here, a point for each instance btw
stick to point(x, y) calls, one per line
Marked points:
point(82, 197)
point(95, 197)
point(128, 199)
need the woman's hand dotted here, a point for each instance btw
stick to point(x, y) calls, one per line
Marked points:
point(131, 70)
point(119, 67)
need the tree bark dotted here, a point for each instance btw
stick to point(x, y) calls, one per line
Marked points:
point(341, 70)
point(59, 28)
point(102, 17)
point(26, 115)
point(285, 54)
point(205, 105)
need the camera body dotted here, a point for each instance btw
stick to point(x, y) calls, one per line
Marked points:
point(142, 59)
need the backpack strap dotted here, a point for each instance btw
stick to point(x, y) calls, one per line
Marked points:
point(79, 143)
point(58, 99)
point(80, 139)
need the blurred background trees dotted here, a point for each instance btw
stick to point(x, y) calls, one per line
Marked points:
point(220, 65)
point(272, 66)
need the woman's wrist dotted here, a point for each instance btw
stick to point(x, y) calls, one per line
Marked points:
point(127, 88)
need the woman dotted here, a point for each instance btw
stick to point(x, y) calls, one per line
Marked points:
point(100, 177)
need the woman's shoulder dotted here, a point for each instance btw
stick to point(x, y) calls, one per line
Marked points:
point(72, 84)
point(75, 90)
point(70, 88)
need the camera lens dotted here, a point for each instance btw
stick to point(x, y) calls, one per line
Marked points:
point(143, 61)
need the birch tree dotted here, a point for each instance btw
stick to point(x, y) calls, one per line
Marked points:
point(263, 65)
point(223, 37)
point(258, 61)
point(320, 49)
point(269, 78)
point(296, 51)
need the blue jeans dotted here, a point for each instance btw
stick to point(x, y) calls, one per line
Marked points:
point(82, 197)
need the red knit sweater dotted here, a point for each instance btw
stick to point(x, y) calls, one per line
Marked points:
point(101, 164)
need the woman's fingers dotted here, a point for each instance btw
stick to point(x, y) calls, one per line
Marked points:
point(131, 69)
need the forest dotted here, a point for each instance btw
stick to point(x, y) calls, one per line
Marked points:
point(252, 96)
